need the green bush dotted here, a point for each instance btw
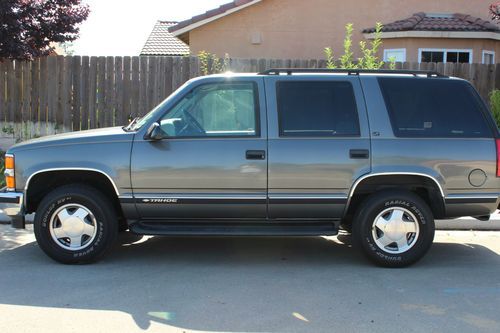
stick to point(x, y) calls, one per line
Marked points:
point(369, 51)
point(495, 105)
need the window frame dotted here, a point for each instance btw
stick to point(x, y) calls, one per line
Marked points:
point(255, 88)
point(483, 108)
point(386, 51)
point(488, 52)
point(445, 53)
point(281, 134)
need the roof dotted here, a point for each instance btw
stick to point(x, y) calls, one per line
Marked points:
point(439, 22)
point(211, 15)
point(162, 42)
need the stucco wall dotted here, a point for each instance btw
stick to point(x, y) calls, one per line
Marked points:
point(301, 29)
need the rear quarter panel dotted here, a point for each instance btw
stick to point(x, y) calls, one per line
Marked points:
point(450, 161)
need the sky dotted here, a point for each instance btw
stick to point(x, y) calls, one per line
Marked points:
point(121, 27)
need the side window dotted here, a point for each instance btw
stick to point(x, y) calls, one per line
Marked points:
point(434, 108)
point(215, 110)
point(317, 109)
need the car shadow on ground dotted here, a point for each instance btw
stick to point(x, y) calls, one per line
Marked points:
point(241, 284)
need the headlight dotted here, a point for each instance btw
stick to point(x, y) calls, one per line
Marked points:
point(10, 178)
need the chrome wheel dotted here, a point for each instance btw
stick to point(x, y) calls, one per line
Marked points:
point(395, 230)
point(73, 227)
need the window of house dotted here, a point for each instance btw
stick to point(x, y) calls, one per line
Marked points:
point(399, 55)
point(432, 108)
point(445, 56)
point(488, 57)
point(317, 109)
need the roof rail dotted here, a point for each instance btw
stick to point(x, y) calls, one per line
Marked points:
point(290, 71)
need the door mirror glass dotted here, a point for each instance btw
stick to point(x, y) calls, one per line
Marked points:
point(155, 132)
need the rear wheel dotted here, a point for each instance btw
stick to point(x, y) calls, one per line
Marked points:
point(394, 228)
point(75, 224)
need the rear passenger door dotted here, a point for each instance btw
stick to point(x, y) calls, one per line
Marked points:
point(319, 144)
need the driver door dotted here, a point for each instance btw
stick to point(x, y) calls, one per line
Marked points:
point(212, 162)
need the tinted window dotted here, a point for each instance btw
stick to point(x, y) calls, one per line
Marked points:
point(317, 109)
point(434, 108)
point(227, 109)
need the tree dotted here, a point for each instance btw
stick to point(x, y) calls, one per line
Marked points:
point(28, 27)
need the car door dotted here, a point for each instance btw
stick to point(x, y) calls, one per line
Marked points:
point(212, 163)
point(319, 144)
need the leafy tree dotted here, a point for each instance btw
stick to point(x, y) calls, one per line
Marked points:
point(28, 27)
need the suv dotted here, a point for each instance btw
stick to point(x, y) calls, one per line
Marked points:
point(286, 152)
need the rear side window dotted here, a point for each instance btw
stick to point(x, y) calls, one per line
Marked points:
point(317, 109)
point(434, 108)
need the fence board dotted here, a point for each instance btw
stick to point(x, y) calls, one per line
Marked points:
point(26, 93)
point(65, 108)
point(109, 92)
point(134, 104)
point(118, 109)
point(18, 83)
point(84, 93)
point(76, 75)
point(143, 86)
point(3, 97)
point(92, 100)
point(35, 93)
point(101, 83)
point(71, 93)
point(125, 114)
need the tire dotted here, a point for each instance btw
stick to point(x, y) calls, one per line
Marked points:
point(90, 224)
point(408, 224)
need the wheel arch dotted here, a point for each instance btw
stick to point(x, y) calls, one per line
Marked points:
point(426, 186)
point(61, 176)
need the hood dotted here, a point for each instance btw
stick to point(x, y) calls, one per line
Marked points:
point(102, 135)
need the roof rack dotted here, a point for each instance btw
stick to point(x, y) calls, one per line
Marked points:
point(290, 71)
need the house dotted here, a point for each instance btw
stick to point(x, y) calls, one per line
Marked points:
point(162, 43)
point(415, 30)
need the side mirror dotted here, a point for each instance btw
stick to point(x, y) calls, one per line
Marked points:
point(155, 133)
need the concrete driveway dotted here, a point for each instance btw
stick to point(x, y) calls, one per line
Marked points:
point(251, 285)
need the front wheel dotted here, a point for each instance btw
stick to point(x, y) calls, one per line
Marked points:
point(75, 224)
point(394, 228)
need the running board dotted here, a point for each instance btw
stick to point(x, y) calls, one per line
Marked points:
point(234, 229)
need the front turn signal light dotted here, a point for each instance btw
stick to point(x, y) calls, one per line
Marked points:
point(10, 178)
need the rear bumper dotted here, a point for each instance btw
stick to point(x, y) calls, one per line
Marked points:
point(11, 203)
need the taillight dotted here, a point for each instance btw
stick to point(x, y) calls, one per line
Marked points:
point(498, 157)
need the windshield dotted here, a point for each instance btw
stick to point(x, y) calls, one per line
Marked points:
point(156, 112)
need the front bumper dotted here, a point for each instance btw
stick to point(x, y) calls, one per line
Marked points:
point(11, 203)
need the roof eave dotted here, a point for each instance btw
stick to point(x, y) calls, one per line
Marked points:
point(200, 23)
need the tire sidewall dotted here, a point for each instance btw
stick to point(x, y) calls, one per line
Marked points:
point(104, 226)
point(377, 204)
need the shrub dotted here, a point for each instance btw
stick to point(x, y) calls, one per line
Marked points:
point(212, 64)
point(369, 59)
point(495, 105)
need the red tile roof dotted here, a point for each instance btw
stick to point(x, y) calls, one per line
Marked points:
point(162, 42)
point(439, 22)
point(209, 14)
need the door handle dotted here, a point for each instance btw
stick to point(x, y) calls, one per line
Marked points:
point(256, 155)
point(359, 153)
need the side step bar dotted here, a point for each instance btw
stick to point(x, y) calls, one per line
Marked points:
point(234, 229)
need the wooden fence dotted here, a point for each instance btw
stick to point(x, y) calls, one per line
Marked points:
point(58, 94)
